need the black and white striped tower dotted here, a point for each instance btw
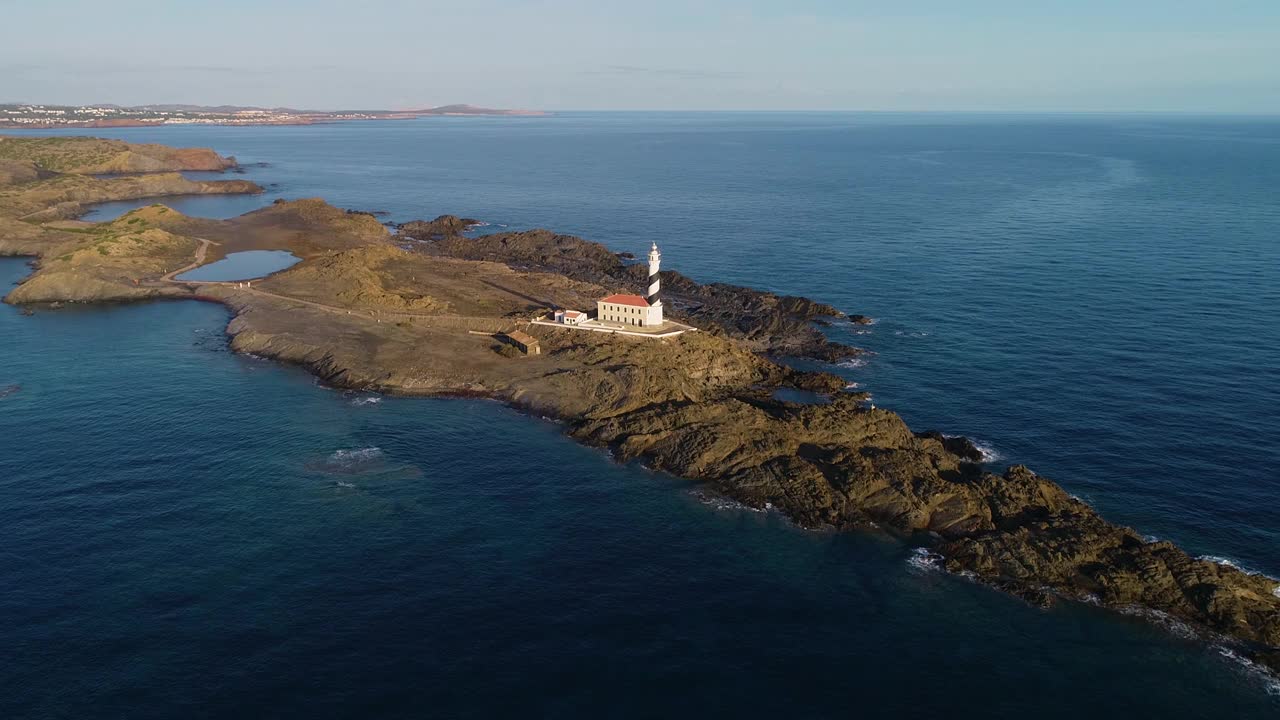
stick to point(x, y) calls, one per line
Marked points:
point(655, 259)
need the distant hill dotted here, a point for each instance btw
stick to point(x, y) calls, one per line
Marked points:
point(464, 109)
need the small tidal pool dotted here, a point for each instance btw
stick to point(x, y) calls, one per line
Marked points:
point(247, 265)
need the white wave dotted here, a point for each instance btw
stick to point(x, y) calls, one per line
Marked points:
point(350, 461)
point(925, 560)
point(1269, 680)
point(1228, 562)
point(1276, 591)
point(342, 484)
point(851, 386)
point(911, 333)
point(357, 454)
point(852, 363)
point(1174, 626)
point(988, 451)
point(366, 400)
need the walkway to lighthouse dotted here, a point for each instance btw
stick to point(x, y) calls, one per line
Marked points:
point(666, 329)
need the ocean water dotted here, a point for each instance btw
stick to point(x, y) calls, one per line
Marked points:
point(192, 533)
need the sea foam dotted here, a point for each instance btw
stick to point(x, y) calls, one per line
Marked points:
point(925, 560)
point(1269, 681)
point(350, 461)
point(720, 502)
point(989, 453)
point(1229, 563)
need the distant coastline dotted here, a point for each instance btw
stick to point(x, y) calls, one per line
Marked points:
point(46, 117)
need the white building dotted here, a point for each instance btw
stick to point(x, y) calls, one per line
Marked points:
point(629, 310)
point(570, 317)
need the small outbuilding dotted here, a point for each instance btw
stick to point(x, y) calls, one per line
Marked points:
point(570, 317)
point(527, 343)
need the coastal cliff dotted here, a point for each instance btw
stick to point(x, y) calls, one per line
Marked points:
point(416, 313)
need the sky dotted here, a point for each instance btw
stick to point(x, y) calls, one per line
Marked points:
point(938, 55)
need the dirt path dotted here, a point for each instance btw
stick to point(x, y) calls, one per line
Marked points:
point(201, 253)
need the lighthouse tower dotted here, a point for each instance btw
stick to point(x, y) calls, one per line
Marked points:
point(655, 259)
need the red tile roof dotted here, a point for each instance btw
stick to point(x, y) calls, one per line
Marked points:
point(635, 300)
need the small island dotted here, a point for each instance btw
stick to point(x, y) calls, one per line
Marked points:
point(428, 310)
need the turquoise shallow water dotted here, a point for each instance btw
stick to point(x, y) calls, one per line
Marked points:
point(193, 533)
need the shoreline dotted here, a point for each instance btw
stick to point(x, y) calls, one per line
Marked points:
point(834, 465)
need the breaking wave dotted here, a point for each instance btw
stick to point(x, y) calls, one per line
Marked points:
point(350, 462)
point(1174, 626)
point(1269, 681)
point(1231, 564)
point(720, 502)
point(925, 560)
point(852, 363)
point(989, 453)
point(366, 400)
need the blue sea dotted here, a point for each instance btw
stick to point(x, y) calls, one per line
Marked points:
point(191, 533)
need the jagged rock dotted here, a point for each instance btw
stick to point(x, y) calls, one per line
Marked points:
point(442, 227)
point(961, 447)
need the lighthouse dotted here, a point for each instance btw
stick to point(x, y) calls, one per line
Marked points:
point(655, 259)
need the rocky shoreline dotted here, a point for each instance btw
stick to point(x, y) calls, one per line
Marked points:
point(411, 314)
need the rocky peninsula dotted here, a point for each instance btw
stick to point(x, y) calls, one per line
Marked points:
point(413, 312)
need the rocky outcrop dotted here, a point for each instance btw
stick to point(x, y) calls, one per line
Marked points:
point(844, 465)
point(961, 447)
point(442, 227)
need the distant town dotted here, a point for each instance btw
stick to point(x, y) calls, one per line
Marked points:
point(20, 115)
